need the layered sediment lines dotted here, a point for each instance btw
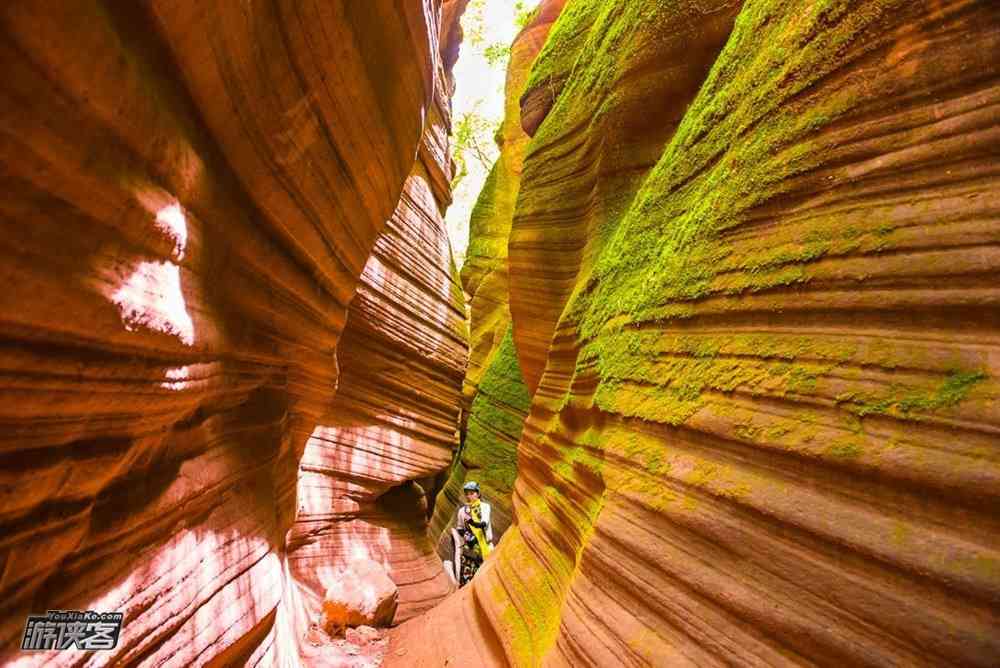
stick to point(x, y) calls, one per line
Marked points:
point(753, 273)
point(584, 165)
point(485, 272)
point(496, 399)
point(191, 193)
point(395, 417)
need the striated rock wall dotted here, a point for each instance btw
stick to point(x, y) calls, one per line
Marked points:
point(753, 270)
point(496, 400)
point(484, 274)
point(606, 64)
point(395, 416)
point(191, 192)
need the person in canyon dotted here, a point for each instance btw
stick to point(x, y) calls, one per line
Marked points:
point(474, 533)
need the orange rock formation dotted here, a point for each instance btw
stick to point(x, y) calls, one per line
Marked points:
point(753, 269)
point(737, 266)
point(193, 195)
point(496, 398)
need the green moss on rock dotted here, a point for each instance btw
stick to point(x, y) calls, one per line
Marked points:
point(746, 134)
point(495, 423)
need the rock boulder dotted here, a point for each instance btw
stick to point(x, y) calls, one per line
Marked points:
point(362, 594)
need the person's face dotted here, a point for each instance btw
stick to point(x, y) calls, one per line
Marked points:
point(471, 495)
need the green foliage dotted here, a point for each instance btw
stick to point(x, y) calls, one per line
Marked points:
point(565, 42)
point(524, 14)
point(845, 450)
point(472, 139)
point(474, 24)
point(497, 54)
point(474, 134)
point(904, 402)
point(503, 382)
point(752, 128)
point(747, 132)
point(476, 31)
point(482, 242)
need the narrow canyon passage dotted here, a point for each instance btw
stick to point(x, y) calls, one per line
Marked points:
point(722, 355)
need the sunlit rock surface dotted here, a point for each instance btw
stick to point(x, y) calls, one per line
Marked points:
point(753, 273)
point(361, 594)
point(395, 416)
point(484, 274)
point(496, 399)
point(191, 191)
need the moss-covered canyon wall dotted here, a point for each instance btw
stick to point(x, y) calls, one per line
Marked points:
point(753, 269)
point(496, 397)
point(733, 338)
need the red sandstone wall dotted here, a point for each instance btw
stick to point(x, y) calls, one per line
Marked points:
point(402, 358)
point(191, 192)
point(753, 275)
point(492, 420)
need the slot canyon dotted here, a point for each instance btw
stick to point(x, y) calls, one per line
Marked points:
point(723, 352)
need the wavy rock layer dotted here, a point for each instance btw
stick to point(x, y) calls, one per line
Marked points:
point(190, 194)
point(496, 401)
point(395, 416)
point(606, 63)
point(485, 275)
point(754, 283)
